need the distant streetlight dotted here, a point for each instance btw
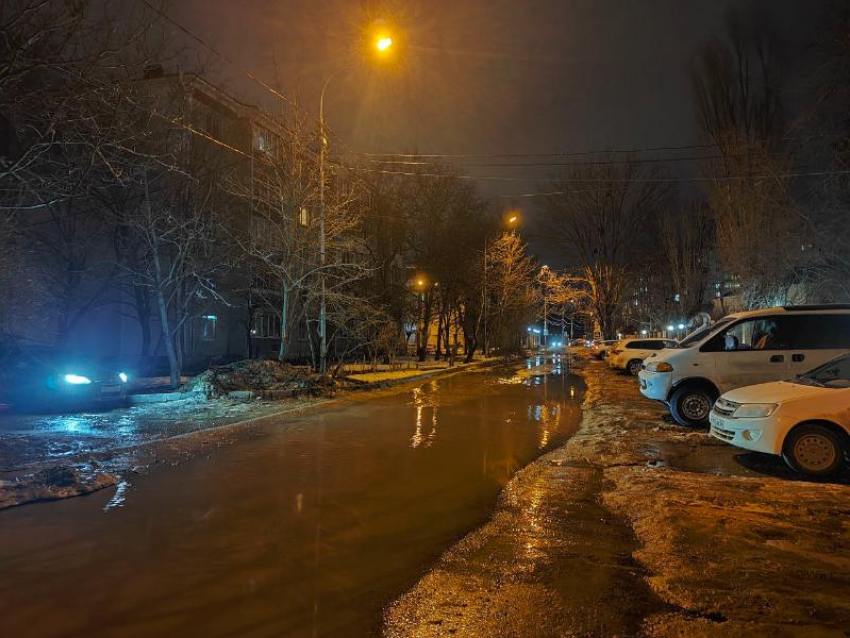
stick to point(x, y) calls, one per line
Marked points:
point(384, 43)
point(671, 328)
point(643, 332)
point(681, 326)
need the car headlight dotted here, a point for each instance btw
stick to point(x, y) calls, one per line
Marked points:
point(124, 377)
point(659, 366)
point(755, 410)
point(76, 379)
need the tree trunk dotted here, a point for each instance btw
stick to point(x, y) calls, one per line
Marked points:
point(284, 323)
point(168, 340)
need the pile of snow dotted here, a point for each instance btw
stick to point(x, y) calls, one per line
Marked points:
point(258, 375)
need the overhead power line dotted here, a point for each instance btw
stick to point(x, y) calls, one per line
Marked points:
point(659, 180)
point(648, 160)
point(557, 154)
point(207, 45)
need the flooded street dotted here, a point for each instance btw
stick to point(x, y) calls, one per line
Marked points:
point(310, 528)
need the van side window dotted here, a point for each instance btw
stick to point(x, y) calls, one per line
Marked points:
point(818, 332)
point(761, 333)
point(635, 345)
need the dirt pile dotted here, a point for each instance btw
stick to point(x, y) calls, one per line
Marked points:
point(260, 376)
point(53, 483)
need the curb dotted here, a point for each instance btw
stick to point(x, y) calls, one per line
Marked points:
point(160, 397)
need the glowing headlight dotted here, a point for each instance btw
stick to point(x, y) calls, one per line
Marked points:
point(75, 379)
point(659, 366)
point(755, 410)
point(124, 377)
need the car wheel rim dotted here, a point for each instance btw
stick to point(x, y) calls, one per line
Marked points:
point(695, 407)
point(634, 368)
point(814, 452)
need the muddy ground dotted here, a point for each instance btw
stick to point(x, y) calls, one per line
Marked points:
point(640, 527)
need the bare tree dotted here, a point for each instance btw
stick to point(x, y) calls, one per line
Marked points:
point(602, 219)
point(510, 286)
point(686, 236)
point(738, 86)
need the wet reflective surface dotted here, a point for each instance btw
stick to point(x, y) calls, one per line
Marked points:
point(309, 529)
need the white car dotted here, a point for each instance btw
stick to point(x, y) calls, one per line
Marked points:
point(629, 354)
point(806, 421)
point(743, 349)
point(600, 349)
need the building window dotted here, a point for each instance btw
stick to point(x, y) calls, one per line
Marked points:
point(304, 216)
point(209, 326)
point(266, 326)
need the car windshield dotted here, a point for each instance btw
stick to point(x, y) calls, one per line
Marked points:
point(700, 335)
point(834, 374)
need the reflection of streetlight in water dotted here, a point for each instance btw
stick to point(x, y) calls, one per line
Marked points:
point(420, 403)
point(549, 418)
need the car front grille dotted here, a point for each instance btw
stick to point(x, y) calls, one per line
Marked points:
point(725, 408)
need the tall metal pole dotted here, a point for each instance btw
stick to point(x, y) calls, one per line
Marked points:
point(323, 312)
point(484, 295)
point(323, 340)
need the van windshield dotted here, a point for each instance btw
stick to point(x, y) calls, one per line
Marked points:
point(700, 335)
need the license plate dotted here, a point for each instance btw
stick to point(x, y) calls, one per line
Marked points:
point(716, 421)
point(110, 389)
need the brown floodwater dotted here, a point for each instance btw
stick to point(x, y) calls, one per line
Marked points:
point(309, 529)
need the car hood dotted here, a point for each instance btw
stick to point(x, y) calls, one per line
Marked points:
point(776, 392)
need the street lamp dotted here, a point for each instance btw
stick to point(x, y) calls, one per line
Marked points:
point(383, 43)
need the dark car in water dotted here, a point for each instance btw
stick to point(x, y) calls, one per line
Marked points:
point(38, 377)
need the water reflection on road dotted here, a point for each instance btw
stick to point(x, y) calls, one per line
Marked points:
point(307, 530)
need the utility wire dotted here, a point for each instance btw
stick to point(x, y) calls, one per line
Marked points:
point(660, 180)
point(651, 149)
point(649, 160)
point(207, 45)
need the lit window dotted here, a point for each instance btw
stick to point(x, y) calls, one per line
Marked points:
point(677, 297)
point(304, 216)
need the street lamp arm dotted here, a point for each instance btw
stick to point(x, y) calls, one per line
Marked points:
point(325, 88)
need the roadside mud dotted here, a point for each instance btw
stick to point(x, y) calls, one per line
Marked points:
point(640, 527)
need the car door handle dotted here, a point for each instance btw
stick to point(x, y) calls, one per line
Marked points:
point(777, 358)
point(797, 358)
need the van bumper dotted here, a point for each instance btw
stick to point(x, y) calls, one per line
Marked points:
point(655, 385)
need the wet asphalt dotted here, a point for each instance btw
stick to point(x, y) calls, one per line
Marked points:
point(311, 528)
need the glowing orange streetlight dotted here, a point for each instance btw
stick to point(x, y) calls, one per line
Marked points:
point(384, 43)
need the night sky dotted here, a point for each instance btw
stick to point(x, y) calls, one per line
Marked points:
point(489, 76)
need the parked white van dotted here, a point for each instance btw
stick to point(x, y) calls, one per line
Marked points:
point(743, 349)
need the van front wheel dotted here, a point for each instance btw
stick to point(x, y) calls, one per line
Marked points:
point(690, 406)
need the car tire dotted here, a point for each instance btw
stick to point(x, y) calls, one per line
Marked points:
point(690, 406)
point(633, 367)
point(814, 450)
